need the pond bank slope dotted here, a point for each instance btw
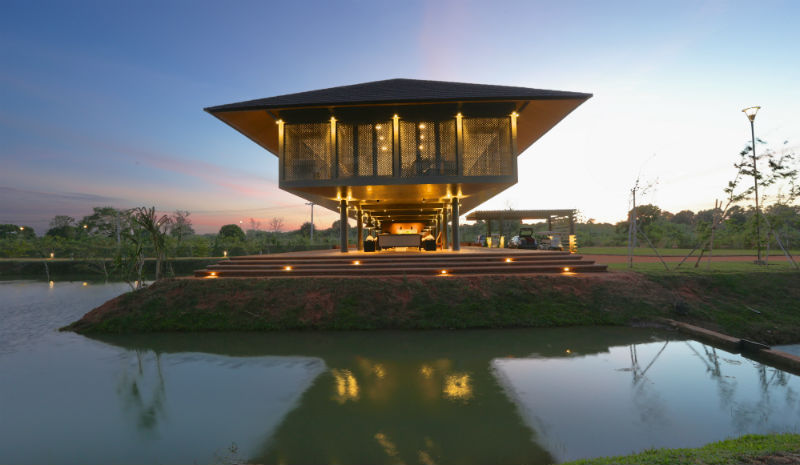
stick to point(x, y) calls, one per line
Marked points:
point(763, 307)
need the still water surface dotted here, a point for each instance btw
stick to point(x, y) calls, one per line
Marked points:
point(493, 396)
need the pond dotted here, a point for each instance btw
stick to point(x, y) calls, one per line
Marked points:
point(483, 396)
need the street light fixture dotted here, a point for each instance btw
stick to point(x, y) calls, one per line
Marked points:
point(751, 115)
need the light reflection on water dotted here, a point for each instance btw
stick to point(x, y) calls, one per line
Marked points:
point(506, 396)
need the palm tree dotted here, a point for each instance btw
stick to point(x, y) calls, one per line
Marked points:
point(156, 227)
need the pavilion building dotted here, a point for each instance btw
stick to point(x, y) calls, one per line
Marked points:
point(400, 155)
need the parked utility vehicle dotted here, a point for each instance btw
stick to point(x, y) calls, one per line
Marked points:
point(525, 240)
point(550, 240)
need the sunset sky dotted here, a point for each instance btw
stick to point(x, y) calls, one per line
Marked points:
point(101, 102)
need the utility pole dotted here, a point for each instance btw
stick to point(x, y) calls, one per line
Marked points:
point(312, 220)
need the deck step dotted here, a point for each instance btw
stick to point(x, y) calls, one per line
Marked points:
point(390, 263)
point(395, 271)
point(369, 266)
point(412, 256)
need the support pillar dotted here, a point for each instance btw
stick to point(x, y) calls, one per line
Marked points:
point(343, 226)
point(488, 230)
point(360, 229)
point(456, 235)
point(439, 232)
point(446, 215)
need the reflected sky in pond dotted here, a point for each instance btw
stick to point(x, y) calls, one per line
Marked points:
point(790, 348)
point(494, 396)
point(661, 394)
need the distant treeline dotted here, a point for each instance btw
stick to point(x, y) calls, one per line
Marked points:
point(687, 229)
point(107, 231)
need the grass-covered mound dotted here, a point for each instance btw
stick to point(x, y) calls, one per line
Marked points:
point(746, 450)
point(729, 302)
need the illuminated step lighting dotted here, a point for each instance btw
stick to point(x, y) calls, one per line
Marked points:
point(287, 268)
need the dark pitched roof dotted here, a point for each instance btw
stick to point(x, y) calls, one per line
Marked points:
point(399, 91)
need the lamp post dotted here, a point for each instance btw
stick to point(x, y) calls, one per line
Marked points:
point(751, 115)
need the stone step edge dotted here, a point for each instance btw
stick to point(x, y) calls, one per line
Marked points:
point(342, 266)
point(404, 272)
point(413, 256)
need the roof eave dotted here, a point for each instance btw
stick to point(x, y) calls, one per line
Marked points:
point(243, 106)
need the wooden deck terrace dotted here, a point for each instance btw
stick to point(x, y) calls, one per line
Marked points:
point(468, 261)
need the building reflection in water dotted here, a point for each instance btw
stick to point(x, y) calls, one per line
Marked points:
point(452, 386)
point(346, 386)
point(457, 387)
point(466, 397)
point(403, 410)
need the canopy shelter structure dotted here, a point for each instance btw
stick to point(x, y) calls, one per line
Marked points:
point(401, 153)
point(564, 219)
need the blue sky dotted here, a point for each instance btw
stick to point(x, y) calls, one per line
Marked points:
point(101, 102)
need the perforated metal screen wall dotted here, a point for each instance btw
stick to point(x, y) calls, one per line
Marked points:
point(427, 148)
point(487, 146)
point(307, 152)
point(364, 149)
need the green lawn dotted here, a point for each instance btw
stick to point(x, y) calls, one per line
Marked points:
point(750, 449)
point(675, 252)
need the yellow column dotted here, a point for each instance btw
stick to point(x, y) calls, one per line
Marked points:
point(459, 144)
point(281, 150)
point(334, 152)
point(514, 117)
point(514, 150)
point(396, 146)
